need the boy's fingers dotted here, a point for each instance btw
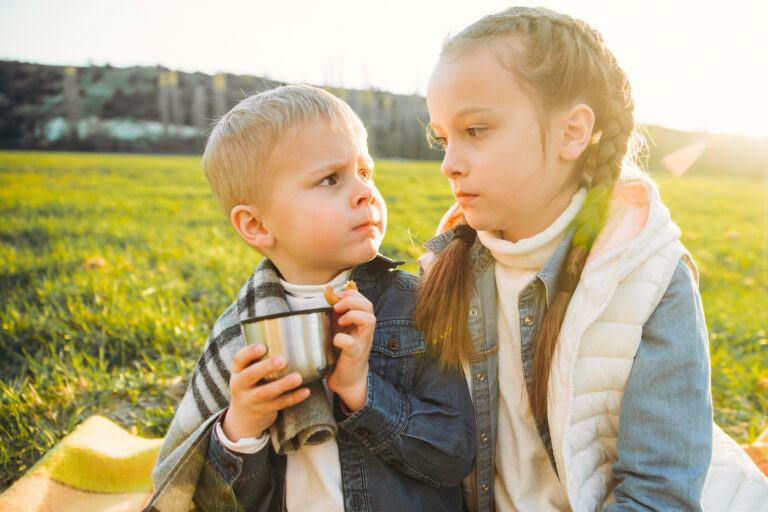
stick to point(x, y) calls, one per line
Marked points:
point(360, 318)
point(254, 373)
point(246, 356)
point(289, 399)
point(351, 300)
point(272, 390)
point(343, 340)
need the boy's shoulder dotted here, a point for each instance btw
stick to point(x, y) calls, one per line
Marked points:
point(384, 271)
point(391, 291)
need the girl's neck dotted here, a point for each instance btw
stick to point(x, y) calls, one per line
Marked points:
point(549, 213)
point(533, 252)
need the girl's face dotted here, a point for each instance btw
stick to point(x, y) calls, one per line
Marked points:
point(504, 177)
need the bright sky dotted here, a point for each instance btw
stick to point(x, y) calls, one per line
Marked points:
point(698, 65)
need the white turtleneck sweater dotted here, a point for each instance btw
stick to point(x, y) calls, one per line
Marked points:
point(525, 480)
point(313, 473)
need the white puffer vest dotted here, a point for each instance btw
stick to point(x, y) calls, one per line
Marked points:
point(619, 290)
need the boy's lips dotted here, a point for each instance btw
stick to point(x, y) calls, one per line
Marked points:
point(371, 224)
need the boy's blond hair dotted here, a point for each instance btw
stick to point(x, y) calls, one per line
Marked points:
point(238, 149)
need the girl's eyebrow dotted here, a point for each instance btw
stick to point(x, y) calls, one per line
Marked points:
point(471, 110)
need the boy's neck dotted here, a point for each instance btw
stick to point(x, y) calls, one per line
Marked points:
point(311, 278)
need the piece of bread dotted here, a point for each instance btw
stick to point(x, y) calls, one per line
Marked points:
point(330, 294)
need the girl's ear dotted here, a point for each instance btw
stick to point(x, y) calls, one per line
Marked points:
point(576, 131)
point(250, 226)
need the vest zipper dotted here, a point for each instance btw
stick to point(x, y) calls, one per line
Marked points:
point(571, 372)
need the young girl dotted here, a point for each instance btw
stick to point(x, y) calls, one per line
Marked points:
point(559, 284)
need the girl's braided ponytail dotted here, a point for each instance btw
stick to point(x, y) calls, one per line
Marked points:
point(560, 61)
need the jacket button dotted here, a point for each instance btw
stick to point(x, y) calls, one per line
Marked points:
point(484, 488)
point(528, 320)
point(484, 437)
point(480, 377)
point(229, 466)
point(395, 464)
point(473, 312)
point(393, 343)
point(361, 432)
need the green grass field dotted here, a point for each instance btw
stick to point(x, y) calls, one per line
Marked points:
point(114, 267)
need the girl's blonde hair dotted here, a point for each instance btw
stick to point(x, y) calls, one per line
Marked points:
point(241, 142)
point(560, 62)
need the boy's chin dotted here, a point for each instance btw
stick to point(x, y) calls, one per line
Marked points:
point(367, 254)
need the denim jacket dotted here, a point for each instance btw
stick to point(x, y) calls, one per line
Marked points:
point(665, 432)
point(407, 448)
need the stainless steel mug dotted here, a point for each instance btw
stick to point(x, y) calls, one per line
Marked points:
point(304, 338)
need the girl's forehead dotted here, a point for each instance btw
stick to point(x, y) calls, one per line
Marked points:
point(473, 82)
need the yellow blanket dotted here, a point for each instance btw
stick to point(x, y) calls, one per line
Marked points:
point(100, 467)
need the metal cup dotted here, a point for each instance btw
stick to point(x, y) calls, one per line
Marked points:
point(304, 338)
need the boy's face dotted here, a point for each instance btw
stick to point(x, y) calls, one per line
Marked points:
point(324, 212)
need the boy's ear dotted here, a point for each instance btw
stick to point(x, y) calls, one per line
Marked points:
point(576, 131)
point(250, 226)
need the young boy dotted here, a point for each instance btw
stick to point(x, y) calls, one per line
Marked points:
point(290, 167)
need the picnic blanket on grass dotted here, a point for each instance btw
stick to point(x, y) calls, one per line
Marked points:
point(100, 467)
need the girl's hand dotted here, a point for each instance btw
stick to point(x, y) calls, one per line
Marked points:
point(254, 403)
point(350, 378)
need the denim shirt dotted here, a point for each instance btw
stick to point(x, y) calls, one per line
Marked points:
point(665, 429)
point(407, 448)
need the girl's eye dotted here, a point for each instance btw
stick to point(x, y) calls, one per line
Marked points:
point(330, 180)
point(475, 131)
point(366, 175)
point(436, 141)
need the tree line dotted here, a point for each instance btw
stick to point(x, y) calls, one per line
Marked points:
point(156, 110)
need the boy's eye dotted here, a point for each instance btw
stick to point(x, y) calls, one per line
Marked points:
point(365, 174)
point(329, 180)
point(475, 131)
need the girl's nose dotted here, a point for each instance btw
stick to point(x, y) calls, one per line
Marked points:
point(452, 165)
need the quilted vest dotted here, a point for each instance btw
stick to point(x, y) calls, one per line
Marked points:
point(619, 290)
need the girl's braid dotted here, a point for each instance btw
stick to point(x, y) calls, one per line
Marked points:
point(600, 166)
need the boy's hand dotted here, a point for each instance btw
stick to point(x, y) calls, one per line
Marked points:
point(254, 403)
point(350, 378)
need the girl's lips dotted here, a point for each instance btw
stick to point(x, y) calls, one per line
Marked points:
point(464, 199)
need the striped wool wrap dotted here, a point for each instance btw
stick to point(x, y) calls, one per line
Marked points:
point(183, 453)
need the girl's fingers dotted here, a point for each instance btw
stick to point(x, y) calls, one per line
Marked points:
point(246, 356)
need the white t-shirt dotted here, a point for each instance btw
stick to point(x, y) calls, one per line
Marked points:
point(313, 473)
point(524, 478)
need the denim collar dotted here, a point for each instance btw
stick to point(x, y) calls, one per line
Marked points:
point(263, 295)
point(372, 270)
point(551, 270)
point(481, 257)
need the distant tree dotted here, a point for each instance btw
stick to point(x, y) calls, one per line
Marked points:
point(72, 100)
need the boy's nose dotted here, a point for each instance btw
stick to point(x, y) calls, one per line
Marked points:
point(364, 193)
